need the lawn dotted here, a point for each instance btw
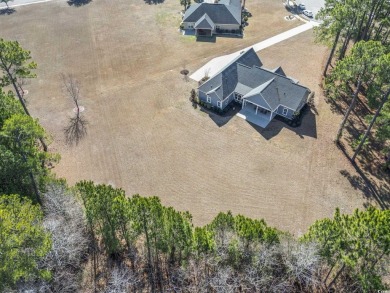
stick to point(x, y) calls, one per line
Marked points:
point(144, 135)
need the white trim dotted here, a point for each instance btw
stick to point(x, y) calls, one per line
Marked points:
point(246, 99)
point(227, 97)
point(270, 108)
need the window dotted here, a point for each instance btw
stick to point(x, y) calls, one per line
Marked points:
point(208, 99)
point(219, 104)
point(285, 111)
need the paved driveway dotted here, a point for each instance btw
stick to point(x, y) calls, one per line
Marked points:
point(215, 65)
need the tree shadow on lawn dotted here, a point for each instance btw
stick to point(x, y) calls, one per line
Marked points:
point(307, 128)
point(78, 3)
point(7, 11)
point(150, 2)
point(380, 193)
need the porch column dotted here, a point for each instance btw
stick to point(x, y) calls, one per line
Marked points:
point(256, 109)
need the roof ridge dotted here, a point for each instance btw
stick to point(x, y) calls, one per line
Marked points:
point(279, 75)
point(230, 63)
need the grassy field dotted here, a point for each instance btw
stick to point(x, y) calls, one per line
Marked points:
point(144, 135)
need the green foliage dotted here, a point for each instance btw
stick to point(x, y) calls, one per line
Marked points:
point(361, 64)
point(355, 143)
point(248, 229)
point(383, 124)
point(21, 155)
point(185, 3)
point(104, 219)
point(360, 241)
point(14, 62)
point(115, 218)
point(8, 106)
point(255, 230)
point(204, 242)
point(23, 241)
point(178, 231)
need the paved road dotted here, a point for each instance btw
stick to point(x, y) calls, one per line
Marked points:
point(17, 3)
point(312, 5)
point(216, 64)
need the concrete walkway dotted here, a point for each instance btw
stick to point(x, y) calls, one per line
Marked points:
point(215, 65)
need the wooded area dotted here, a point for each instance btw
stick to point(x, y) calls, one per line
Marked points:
point(358, 34)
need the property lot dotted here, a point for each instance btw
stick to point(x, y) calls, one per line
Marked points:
point(144, 135)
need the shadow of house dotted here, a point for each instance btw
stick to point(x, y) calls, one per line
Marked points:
point(222, 119)
point(7, 11)
point(78, 3)
point(204, 39)
point(307, 127)
point(213, 38)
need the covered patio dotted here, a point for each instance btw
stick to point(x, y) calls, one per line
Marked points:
point(203, 32)
point(204, 26)
point(255, 114)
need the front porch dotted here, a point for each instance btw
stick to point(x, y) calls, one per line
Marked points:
point(204, 32)
point(256, 114)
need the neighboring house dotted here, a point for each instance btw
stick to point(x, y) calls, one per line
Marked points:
point(208, 19)
point(263, 93)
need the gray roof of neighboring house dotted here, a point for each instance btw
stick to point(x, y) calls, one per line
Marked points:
point(261, 86)
point(219, 13)
point(204, 23)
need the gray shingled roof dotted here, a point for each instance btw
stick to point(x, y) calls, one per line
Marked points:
point(256, 97)
point(261, 86)
point(218, 13)
point(282, 90)
point(226, 79)
point(204, 23)
point(279, 70)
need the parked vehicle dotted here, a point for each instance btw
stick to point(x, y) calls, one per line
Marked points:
point(308, 13)
point(302, 6)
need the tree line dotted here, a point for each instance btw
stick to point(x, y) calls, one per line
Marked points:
point(136, 244)
point(358, 66)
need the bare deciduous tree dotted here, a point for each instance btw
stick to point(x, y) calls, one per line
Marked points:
point(77, 125)
point(302, 261)
point(64, 218)
point(122, 280)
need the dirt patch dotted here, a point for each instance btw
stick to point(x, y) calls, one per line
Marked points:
point(144, 135)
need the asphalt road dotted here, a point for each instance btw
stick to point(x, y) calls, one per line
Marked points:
point(312, 5)
point(17, 3)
